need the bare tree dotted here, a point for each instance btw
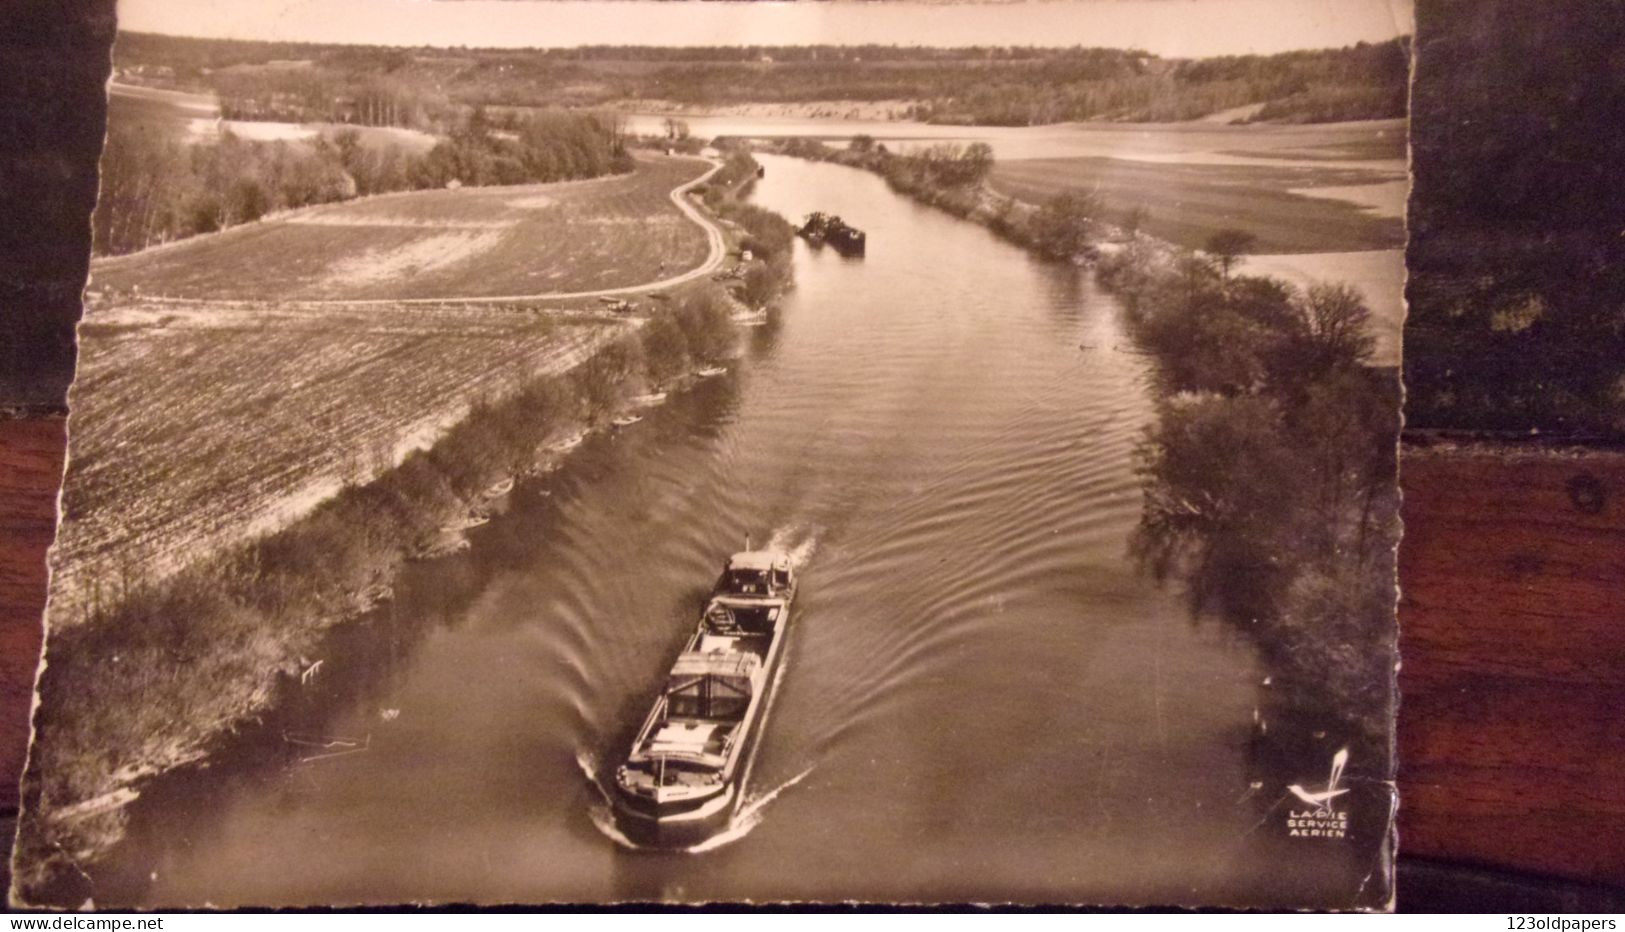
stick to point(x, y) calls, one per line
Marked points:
point(1339, 321)
point(616, 125)
point(1227, 246)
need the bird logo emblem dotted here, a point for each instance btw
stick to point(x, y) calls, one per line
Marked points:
point(1322, 800)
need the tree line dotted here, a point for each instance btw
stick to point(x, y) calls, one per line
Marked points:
point(984, 86)
point(156, 188)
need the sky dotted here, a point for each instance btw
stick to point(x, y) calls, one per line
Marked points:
point(1171, 28)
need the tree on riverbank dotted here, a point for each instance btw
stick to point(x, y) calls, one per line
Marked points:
point(1068, 224)
point(952, 165)
point(766, 236)
point(1227, 246)
point(1270, 475)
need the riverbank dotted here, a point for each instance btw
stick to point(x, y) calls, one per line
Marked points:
point(1271, 487)
point(150, 681)
point(952, 178)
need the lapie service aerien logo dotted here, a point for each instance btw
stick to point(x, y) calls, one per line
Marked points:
point(1318, 817)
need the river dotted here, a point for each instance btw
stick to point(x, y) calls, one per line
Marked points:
point(984, 698)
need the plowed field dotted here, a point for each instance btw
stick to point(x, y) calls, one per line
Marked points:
point(194, 427)
point(225, 387)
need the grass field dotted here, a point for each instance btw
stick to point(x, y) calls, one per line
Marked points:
point(470, 242)
point(1188, 202)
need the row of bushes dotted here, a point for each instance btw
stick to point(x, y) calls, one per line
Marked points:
point(520, 149)
point(144, 684)
point(156, 189)
point(767, 236)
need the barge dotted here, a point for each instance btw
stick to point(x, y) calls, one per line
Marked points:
point(683, 779)
point(820, 228)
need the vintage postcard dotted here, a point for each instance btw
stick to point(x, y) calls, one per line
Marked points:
point(530, 453)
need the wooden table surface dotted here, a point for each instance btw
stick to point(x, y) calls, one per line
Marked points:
point(1512, 637)
point(1512, 641)
point(31, 457)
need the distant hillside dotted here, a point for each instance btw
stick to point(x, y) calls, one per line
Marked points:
point(985, 86)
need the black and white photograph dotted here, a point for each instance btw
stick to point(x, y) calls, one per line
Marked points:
point(531, 453)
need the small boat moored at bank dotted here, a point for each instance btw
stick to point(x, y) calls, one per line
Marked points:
point(569, 443)
point(683, 779)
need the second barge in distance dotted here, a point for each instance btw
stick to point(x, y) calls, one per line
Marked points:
point(684, 777)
